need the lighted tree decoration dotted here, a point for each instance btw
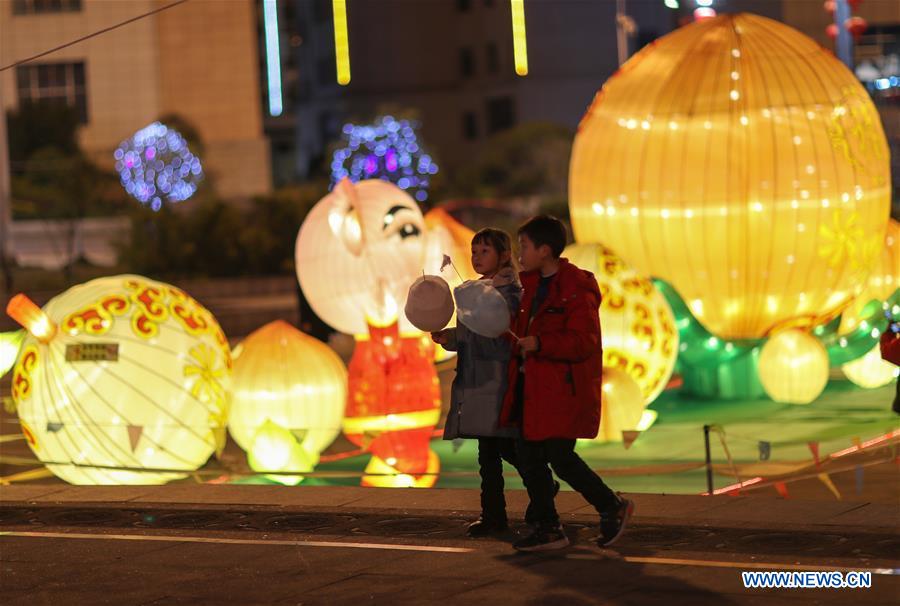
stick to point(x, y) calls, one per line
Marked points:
point(155, 165)
point(388, 150)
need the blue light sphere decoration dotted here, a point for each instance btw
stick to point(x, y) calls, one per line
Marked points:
point(386, 150)
point(155, 165)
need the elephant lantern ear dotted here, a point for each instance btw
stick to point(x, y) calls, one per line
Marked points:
point(344, 218)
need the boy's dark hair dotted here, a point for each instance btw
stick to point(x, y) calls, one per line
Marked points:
point(548, 230)
point(497, 239)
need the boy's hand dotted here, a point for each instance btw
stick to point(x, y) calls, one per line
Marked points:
point(528, 344)
point(440, 337)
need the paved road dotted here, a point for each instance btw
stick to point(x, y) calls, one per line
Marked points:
point(102, 553)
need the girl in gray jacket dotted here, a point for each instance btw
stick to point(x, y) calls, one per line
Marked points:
point(480, 383)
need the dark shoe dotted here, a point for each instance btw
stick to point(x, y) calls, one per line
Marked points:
point(485, 527)
point(543, 539)
point(613, 523)
point(529, 512)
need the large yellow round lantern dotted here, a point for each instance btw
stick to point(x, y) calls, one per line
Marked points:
point(793, 367)
point(289, 392)
point(744, 164)
point(882, 282)
point(357, 253)
point(121, 380)
point(639, 335)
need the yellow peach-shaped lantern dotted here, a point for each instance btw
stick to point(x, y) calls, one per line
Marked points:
point(871, 371)
point(793, 367)
point(121, 380)
point(274, 448)
point(639, 335)
point(622, 405)
point(744, 164)
point(289, 390)
point(360, 249)
point(882, 282)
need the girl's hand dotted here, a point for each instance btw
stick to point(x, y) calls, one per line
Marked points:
point(441, 337)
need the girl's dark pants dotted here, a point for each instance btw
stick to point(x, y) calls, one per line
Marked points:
point(491, 454)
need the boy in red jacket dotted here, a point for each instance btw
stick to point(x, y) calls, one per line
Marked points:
point(555, 385)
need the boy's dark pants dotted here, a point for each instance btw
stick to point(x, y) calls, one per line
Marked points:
point(534, 458)
point(491, 454)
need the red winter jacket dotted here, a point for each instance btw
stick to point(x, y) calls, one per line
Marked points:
point(890, 347)
point(563, 378)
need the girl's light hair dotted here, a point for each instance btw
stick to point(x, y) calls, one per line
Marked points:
point(500, 241)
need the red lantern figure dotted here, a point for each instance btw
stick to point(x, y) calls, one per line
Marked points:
point(830, 6)
point(393, 405)
point(832, 31)
point(856, 26)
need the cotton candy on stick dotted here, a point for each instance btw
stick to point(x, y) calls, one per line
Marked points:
point(481, 308)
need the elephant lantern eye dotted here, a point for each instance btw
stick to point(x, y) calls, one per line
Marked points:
point(409, 230)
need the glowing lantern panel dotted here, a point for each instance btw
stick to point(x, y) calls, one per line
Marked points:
point(622, 408)
point(871, 371)
point(288, 399)
point(359, 250)
point(638, 328)
point(742, 163)
point(130, 389)
point(793, 367)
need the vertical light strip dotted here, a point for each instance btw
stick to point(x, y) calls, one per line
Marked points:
point(273, 56)
point(341, 41)
point(520, 46)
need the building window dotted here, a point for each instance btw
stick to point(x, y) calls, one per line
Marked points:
point(501, 114)
point(493, 58)
point(36, 7)
point(463, 5)
point(470, 126)
point(63, 82)
point(466, 62)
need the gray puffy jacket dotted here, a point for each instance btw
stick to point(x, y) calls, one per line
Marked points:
point(481, 370)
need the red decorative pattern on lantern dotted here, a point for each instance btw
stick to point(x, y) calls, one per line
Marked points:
point(22, 381)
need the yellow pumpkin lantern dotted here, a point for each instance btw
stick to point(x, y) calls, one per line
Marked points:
point(359, 250)
point(639, 335)
point(793, 367)
point(744, 164)
point(289, 392)
point(122, 380)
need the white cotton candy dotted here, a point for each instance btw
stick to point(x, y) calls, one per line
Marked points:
point(481, 308)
